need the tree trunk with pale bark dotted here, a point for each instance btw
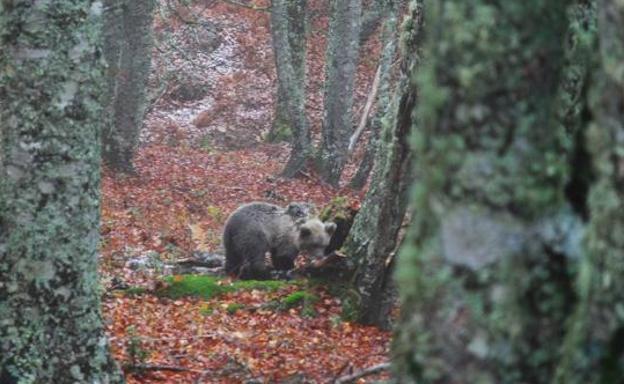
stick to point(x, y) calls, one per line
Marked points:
point(51, 86)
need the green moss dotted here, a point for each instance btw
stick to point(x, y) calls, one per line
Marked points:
point(205, 287)
point(264, 285)
point(134, 291)
point(280, 132)
point(208, 287)
point(298, 298)
point(302, 299)
point(206, 310)
point(337, 209)
point(232, 308)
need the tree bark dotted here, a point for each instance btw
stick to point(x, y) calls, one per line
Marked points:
point(290, 17)
point(127, 49)
point(384, 97)
point(593, 352)
point(51, 79)
point(289, 38)
point(486, 273)
point(341, 63)
point(372, 239)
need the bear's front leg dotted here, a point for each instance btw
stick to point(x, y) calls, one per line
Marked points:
point(284, 258)
point(254, 270)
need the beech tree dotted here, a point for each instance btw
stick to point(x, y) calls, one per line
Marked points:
point(341, 62)
point(373, 237)
point(512, 267)
point(593, 352)
point(384, 98)
point(288, 30)
point(51, 82)
point(128, 52)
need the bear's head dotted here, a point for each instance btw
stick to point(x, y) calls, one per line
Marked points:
point(314, 236)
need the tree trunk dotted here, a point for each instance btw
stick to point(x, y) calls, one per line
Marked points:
point(127, 49)
point(486, 274)
point(594, 350)
point(341, 64)
point(289, 38)
point(290, 17)
point(384, 99)
point(51, 80)
point(372, 240)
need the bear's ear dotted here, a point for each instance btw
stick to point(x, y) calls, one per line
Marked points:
point(305, 232)
point(330, 228)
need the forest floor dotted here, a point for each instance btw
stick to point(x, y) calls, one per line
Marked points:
point(201, 156)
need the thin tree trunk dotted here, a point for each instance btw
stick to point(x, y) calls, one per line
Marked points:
point(51, 80)
point(485, 275)
point(372, 239)
point(341, 63)
point(288, 32)
point(128, 28)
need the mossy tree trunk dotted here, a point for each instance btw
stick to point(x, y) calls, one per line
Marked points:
point(384, 96)
point(594, 352)
point(372, 239)
point(341, 64)
point(128, 51)
point(486, 276)
point(288, 24)
point(288, 29)
point(51, 82)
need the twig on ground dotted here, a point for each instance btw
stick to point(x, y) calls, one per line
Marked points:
point(342, 368)
point(364, 372)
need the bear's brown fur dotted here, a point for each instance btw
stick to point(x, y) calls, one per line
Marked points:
point(256, 228)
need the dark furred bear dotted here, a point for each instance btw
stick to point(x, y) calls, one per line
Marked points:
point(256, 228)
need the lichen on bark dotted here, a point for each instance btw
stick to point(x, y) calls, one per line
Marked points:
point(288, 32)
point(593, 350)
point(373, 237)
point(51, 77)
point(486, 272)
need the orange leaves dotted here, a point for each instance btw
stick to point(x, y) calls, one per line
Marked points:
point(263, 343)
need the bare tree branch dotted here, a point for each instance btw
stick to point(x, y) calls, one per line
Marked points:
point(369, 103)
point(364, 372)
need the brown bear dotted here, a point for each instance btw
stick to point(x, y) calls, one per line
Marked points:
point(256, 228)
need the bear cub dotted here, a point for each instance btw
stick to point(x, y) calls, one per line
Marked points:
point(256, 228)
